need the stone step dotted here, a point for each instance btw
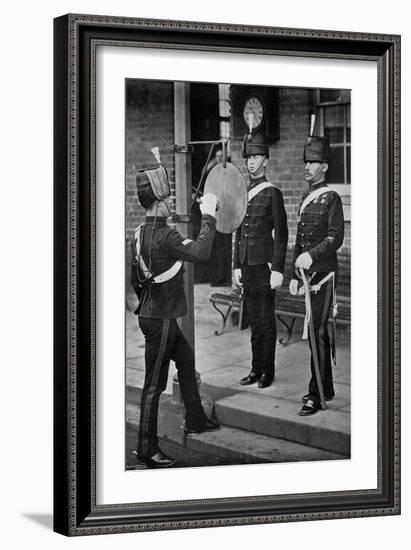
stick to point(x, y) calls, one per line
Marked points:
point(267, 415)
point(279, 418)
point(229, 445)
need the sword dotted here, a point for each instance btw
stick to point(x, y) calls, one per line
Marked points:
point(307, 292)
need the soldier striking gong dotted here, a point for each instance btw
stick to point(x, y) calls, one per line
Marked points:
point(158, 252)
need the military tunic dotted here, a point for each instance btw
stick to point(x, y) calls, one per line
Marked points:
point(320, 232)
point(260, 247)
point(160, 304)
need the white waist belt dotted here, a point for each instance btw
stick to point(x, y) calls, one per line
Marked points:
point(169, 274)
point(162, 277)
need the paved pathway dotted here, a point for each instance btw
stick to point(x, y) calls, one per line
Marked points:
point(223, 360)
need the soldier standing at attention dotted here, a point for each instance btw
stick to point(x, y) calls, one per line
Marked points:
point(158, 252)
point(320, 233)
point(260, 249)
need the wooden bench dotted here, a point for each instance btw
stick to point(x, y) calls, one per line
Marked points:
point(287, 306)
point(232, 301)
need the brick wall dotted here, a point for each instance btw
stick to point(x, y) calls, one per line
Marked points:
point(149, 123)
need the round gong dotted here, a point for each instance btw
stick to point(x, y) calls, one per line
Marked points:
point(230, 187)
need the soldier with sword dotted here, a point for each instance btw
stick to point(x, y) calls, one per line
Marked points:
point(320, 233)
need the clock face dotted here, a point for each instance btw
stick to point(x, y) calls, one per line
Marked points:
point(255, 108)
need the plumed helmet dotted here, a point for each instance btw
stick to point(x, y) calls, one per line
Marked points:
point(255, 144)
point(152, 185)
point(317, 149)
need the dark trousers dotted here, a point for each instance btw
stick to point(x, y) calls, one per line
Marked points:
point(259, 302)
point(321, 303)
point(165, 341)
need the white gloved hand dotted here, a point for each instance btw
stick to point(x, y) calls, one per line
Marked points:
point(304, 261)
point(208, 204)
point(293, 287)
point(237, 277)
point(276, 279)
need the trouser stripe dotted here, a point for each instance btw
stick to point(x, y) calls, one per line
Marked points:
point(147, 406)
point(323, 328)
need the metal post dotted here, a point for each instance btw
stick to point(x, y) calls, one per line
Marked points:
point(183, 178)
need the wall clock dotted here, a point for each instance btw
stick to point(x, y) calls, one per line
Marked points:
point(253, 106)
point(260, 101)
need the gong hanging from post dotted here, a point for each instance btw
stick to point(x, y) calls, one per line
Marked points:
point(228, 184)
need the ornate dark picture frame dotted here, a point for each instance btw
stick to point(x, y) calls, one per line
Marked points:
point(75, 42)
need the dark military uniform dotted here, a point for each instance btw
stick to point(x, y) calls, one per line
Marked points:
point(320, 232)
point(262, 240)
point(160, 304)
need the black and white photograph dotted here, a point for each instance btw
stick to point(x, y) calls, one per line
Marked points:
point(226, 337)
point(203, 311)
point(238, 274)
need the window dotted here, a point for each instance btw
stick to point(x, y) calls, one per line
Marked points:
point(333, 109)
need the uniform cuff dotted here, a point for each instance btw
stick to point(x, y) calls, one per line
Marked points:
point(209, 218)
point(277, 267)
